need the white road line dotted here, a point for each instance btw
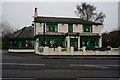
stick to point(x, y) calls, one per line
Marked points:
point(27, 64)
point(97, 66)
point(90, 65)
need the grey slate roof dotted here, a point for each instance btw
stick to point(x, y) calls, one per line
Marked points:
point(26, 32)
point(64, 20)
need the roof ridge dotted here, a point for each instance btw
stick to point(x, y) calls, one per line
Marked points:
point(60, 17)
point(21, 31)
point(67, 19)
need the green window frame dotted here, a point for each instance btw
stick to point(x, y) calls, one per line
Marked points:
point(52, 27)
point(87, 28)
point(70, 27)
point(21, 43)
point(51, 41)
point(90, 42)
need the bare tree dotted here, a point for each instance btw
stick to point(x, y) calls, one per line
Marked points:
point(5, 27)
point(88, 12)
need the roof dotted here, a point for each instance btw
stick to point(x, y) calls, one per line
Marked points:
point(26, 32)
point(64, 20)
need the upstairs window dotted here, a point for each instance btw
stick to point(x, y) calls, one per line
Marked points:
point(87, 28)
point(51, 27)
point(70, 27)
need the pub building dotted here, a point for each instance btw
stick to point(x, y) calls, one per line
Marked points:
point(55, 33)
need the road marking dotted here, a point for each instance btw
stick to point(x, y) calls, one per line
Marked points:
point(27, 64)
point(98, 66)
point(90, 65)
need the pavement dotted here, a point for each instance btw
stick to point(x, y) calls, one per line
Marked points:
point(33, 55)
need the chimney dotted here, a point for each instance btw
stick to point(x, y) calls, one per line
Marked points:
point(35, 13)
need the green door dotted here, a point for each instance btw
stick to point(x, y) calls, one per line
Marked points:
point(74, 43)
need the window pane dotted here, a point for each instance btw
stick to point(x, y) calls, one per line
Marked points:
point(87, 28)
point(52, 27)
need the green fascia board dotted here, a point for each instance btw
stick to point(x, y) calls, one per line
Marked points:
point(90, 37)
point(88, 46)
point(68, 23)
point(20, 48)
point(21, 39)
point(42, 36)
point(52, 31)
point(87, 31)
point(86, 24)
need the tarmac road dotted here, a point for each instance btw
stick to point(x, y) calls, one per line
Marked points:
point(22, 68)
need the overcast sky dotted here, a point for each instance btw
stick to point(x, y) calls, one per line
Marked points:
point(20, 14)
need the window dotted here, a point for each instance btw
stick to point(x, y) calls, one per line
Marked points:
point(51, 27)
point(70, 27)
point(13, 44)
point(26, 44)
point(87, 28)
point(51, 42)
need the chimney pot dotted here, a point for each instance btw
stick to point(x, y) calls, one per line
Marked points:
point(35, 13)
point(35, 9)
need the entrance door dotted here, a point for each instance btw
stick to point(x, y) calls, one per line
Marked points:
point(74, 43)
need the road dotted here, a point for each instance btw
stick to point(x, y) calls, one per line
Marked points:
point(76, 69)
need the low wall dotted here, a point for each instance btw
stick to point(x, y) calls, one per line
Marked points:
point(21, 50)
point(52, 51)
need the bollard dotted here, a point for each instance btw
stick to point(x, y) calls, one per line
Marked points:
point(84, 49)
point(72, 49)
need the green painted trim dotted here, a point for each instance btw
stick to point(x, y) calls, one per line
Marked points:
point(89, 27)
point(90, 37)
point(87, 24)
point(53, 47)
point(87, 46)
point(69, 22)
point(87, 32)
point(51, 36)
point(17, 43)
point(21, 39)
point(51, 31)
point(72, 41)
point(70, 26)
point(21, 48)
point(55, 25)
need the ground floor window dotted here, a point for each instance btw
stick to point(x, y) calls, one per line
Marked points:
point(26, 44)
point(90, 42)
point(22, 43)
point(51, 41)
point(13, 44)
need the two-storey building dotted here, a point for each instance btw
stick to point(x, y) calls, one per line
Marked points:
point(55, 32)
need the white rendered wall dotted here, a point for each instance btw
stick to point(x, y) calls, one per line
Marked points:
point(63, 28)
point(36, 45)
point(77, 28)
point(39, 28)
point(96, 29)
